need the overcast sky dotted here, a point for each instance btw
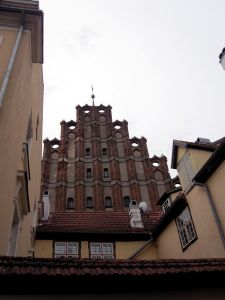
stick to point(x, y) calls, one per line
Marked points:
point(154, 61)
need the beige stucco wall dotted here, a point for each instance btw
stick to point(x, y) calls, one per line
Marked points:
point(24, 96)
point(198, 157)
point(217, 190)
point(208, 244)
point(123, 250)
point(43, 248)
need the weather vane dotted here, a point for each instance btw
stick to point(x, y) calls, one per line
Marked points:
point(93, 96)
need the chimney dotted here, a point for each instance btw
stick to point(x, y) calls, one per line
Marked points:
point(135, 215)
point(46, 205)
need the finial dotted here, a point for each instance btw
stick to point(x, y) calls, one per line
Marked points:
point(93, 96)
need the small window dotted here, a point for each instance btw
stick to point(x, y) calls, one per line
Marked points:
point(166, 205)
point(89, 202)
point(126, 201)
point(66, 249)
point(108, 201)
point(106, 172)
point(101, 251)
point(104, 151)
point(70, 203)
point(88, 152)
point(89, 173)
point(185, 228)
point(45, 193)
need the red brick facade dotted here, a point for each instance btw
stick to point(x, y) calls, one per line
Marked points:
point(96, 158)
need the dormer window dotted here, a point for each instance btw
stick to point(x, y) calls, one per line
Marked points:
point(166, 205)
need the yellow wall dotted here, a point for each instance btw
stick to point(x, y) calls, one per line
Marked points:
point(24, 95)
point(208, 244)
point(123, 250)
point(43, 248)
point(216, 185)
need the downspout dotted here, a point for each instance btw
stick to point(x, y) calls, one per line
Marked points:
point(10, 65)
point(142, 248)
point(215, 214)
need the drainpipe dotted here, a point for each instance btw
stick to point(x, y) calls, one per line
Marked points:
point(215, 214)
point(142, 248)
point(10, 65)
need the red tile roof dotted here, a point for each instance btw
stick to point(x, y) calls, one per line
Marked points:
point(33, 275)
point(98, 222)
point(78, 267)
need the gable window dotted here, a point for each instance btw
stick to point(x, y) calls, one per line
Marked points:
point(126, 201)
point(166, 205)
point(108, 201)
point(101, 251)
point(66, 249)
point(185, 228)
point(106, 172)
point(88, 152)
point(89, 202)
point(88, 173)
point(104, 151)
point(186, 172)
point(70, 203)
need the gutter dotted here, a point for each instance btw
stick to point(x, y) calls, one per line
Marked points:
point(10, 65)
point(215, 214)
point(142, 248)
point(214, 211)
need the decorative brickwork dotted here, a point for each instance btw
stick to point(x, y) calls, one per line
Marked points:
point(96, 158)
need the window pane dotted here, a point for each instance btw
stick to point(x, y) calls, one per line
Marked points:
point(95, 248)
point(107, 248)
point(184, 238)
point(60, 248)
point(72, 248)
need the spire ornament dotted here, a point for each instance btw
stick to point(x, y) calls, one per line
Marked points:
point(93, 96)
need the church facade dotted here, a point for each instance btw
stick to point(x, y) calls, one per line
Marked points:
point(95, 165)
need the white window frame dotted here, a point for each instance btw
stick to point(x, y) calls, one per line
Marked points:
point(103, 250)
point(185, 228)
point(166, 205)
point(65, 251)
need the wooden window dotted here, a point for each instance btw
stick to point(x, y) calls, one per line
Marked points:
point(101, 251)
point(66, 249)
point(186, 228)
point(166, 205)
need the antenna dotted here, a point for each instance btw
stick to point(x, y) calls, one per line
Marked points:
point(93, 96)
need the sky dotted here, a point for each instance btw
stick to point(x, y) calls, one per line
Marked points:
point(154, 61)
